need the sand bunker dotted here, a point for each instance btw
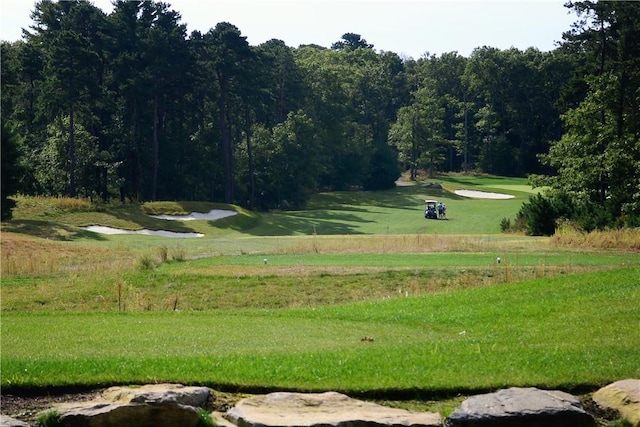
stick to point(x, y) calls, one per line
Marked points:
point(109, 230)
point(211, 215)
point(483, 195)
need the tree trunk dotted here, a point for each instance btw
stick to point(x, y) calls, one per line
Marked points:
point(252, 179)
point(72, 154)
point(414, 149)
point(226, 139)
point(156, 150)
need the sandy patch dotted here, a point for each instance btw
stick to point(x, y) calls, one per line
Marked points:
point(483, 195)
point(211, 215)
point(110, 230)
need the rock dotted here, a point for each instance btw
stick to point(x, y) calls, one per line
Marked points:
point(220, 421)
point(159, 394)
point(622, 396)
point(11, 422)
point(97, 414)
point(322, 409)
point(521, 407)
point(155, 405)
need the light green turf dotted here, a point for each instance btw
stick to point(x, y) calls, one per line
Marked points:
point(560, 332)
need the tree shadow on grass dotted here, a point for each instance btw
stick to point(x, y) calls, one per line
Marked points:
point(399, 197)
point(307, 223)
point(143, 220)
point(49, 230)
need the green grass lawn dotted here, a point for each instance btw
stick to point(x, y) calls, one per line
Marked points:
point(562, 332)
point(80, 308)
point(397, 211)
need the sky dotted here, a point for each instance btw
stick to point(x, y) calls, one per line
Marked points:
point(409, 28)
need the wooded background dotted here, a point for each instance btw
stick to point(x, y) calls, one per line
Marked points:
point(129, 106)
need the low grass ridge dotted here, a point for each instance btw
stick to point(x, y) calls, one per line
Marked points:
point(285, 280)
point(563, 332)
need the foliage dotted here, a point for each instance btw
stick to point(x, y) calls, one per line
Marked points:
point(12, 170)
point(127, 106)
point(597, 159)
point(205, 419)
point(49, 418)
point(539, 216)
point(146, 262)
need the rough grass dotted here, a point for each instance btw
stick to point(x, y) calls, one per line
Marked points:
point(24, 256)
point(160, 283)
point(623, 239)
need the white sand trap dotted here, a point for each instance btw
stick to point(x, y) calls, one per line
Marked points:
point(483, 195)
point(109, 230)
point(211, 215)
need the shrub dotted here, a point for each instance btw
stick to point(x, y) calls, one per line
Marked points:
point(206, 420)
point(146, 262)
point(505, 225)
point(178, 254)
point(539, 216)
point(49, 419)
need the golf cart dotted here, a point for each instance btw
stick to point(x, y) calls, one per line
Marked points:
point(430, 211)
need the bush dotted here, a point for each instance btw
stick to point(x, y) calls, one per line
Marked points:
point(505, 225)
point(542, 213)
point(49, 419)
point(539, 215)
point(178, 254)
point(206, 420)
point(146, 262)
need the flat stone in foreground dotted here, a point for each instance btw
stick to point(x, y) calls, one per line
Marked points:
point(6, 421)
point(328, 409)
point(160, 394)
point(103, 414)
point(155, 405)
point(622, 396)
point(521, 407)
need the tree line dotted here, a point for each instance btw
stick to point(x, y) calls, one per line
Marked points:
point(128, 105)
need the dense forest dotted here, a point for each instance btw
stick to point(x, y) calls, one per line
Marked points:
point(128, 106)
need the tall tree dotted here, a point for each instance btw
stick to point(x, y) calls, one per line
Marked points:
point(351, 41)
point(445, 73)
point(598, 157)
point(12, 170)
point(68, 35)
point(227, 51)
point(418, 133)
point(165, 56)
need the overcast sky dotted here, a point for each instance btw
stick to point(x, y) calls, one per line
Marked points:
point(407, 27)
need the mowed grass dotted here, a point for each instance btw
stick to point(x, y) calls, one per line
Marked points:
point(562, 332)
point(396, 211)
point(438, 312)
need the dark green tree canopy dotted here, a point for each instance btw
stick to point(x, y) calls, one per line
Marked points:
point(128, 106)
point(351, 41)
